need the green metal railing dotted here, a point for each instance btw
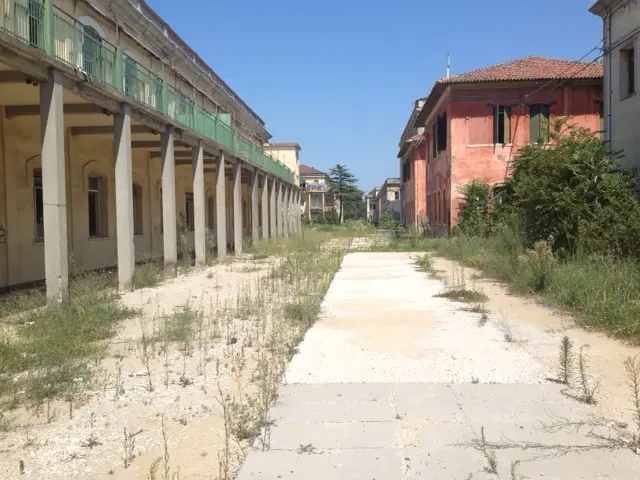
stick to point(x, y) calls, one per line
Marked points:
point(64, 38)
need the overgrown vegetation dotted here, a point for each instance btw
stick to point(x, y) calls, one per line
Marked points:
point(564, 226)
point(50, 350)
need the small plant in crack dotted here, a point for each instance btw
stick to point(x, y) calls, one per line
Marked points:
point(484, 318)
point(475, 379)
point(513, 472)
point(308, 448)
point(489, 455)
point(587, 386)
point(129, 447)
point(566, 360)
point(507, 332)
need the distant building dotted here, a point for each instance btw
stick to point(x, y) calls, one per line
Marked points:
point(371, 200)
point(475, 122)
point(621, 21)
point(288, 154)
point(317, 200)
point(389, 199)
point(413, 171)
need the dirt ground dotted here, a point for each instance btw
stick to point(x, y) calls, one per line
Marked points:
point(145, 383)
point(527, 317)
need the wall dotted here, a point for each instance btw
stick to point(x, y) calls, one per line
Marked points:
point(438, 181)
point(289, 155)
point(414, 197)
point(623, 132)
point(388, 202)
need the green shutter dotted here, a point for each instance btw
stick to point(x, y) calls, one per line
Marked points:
point(534, 123)
point(496, 123)
point(506, 111)
point(444, 131)
point(544, 123)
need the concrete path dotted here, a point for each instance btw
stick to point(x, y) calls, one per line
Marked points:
point(394, 383)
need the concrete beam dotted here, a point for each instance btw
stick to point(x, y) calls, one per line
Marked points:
point(156, 144)
point(221, 213)
point(124, 198)
point(15, 76)
point(237, 208)
point(279, 209)
point(169, 226)
point(12, 111)
point(54, 194)
point(108, 130)
point(199, 206)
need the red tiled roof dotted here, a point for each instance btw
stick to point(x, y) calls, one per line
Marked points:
point(418, 138)
point(307, 170)
point(529, 68)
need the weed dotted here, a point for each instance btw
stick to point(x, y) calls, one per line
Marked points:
point(588, 389)
point(92, 440)
point(147, 273)
point(308, 448)
point(489, 455)
point(566, 360)
point(632, 365)
point(463, 295)
point(482, 321)
point(129, 447)
point(514, 475)
point(507, 333)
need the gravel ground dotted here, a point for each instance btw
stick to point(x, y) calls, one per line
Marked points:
point(402, 333)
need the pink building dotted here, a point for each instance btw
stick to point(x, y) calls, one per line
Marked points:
point(475, 122)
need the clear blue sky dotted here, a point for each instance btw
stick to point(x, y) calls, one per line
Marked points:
point(339, 77)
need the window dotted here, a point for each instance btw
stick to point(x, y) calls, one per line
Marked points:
point(539, 123)
point(442, 132)
point(138, 228)
point(35, 13)
point(434, 143)
point(501, 124)
point(98, 218)
point(188, 208)
point(38, 205)
point(210, 213)
point(131, 78)
point(91, 51)
point(628, 71)
point(396, 195)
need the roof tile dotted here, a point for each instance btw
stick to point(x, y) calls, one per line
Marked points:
point(307, 170)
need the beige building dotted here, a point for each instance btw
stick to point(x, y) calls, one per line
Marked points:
point(288, 154)
point(317, 199)
point(621, 33)
point(389, 199)
point(118, 142)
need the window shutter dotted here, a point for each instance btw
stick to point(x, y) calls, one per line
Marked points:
point(534, 123)
point(506, 111)
point(103, 207)
point(434, 141)
point(544, 122)
point(444, 131)
point(495, 124)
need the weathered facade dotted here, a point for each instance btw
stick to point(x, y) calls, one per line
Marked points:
point(118, 142)
point(371, 199)
point(317, 200)
point(289, 155)
point(389, 199)
point(413, 171)
point(476, 121)
point(621, 33)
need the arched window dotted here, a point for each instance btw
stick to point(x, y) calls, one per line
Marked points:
point(138, 225)
point(38, 206)
point(97, 200)
point(91, 51)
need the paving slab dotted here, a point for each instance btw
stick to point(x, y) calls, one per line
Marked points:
point(395, 383)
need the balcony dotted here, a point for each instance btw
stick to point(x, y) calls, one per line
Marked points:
point(60, 36)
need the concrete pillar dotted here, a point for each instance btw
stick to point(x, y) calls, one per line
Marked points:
point(296, 211)
point(299, 214)
point(54, 193)
point(286, 214)
point(273, 210)
point(169, 226)
point(237, 208)
point(255, 219)
point(199, 205)
point(124, 198)
point(265, 208)
point(279, 208)
point(221, 212)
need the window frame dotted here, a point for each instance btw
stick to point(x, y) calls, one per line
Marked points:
point(503, 111)
point(138, 210)
point(37, 186)
point(189, 213)
point(100, 205)
point(628, 74)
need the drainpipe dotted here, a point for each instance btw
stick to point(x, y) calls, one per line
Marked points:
point(607, 78)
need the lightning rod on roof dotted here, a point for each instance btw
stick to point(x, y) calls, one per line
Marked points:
point(448, 64)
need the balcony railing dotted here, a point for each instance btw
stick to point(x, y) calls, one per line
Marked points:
point(64, 38)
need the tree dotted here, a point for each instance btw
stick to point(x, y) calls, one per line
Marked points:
point(343, 187)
